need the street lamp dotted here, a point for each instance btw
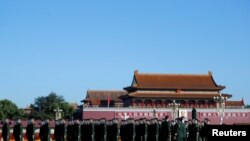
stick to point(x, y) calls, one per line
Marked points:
point(58, 114)
point(175, 106)
point(220, 104)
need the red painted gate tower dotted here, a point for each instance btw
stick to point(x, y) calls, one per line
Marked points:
point(158, 95)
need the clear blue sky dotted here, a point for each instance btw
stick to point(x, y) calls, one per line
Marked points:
point(70, 46)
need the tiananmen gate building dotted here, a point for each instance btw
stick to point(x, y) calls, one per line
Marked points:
point(158, 95)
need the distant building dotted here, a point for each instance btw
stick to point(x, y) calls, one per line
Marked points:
point(154, 95)
point(159, 90)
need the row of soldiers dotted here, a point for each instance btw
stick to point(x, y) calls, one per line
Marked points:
point(113, 130)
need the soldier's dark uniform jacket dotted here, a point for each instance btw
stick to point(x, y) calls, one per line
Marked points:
point(76, 131)
point(45, 132)
point(100, 130)
point(174, 127)
point(144, 128)
point(127, 130)
point(153, 131)
point(6, 131)
point(206, 130)
point(59, 131)
point(112, 131)
point(56, 131)
point(140, 130)
point(41, 130)
point(193, 131)
point(87, 130)
point(62, 131)
point(69, 131)
point(30, 132)
point(130, 130)
point(164, 131)
point(18, 132)
point(137, 131)
point(123, 130)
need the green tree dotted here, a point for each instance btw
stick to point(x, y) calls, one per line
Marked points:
point(44, 107)
point(247, 106)
point(8, 109)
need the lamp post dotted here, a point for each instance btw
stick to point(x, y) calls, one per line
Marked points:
point(154, 113)
point(220, 104)
point(58, 114)
point(175, 106)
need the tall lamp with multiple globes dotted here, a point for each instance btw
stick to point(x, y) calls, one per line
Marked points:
point(220, 104)
point(175, 106)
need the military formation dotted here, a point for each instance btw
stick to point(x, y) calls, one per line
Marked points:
point(111, 130)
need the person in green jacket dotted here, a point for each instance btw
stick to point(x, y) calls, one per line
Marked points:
point(181, 130)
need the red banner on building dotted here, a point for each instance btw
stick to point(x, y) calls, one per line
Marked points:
point(126, 115)
point(227, 114)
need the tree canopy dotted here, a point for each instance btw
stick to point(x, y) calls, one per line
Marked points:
point(9, 110)
point(44, 107)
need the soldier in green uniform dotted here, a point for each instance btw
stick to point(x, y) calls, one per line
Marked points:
point(18, 131)
point(6, 130)
point(30, 130)
point(181, 130)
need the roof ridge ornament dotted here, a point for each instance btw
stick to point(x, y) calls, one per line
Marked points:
point(136, 71)
point(210, 73)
